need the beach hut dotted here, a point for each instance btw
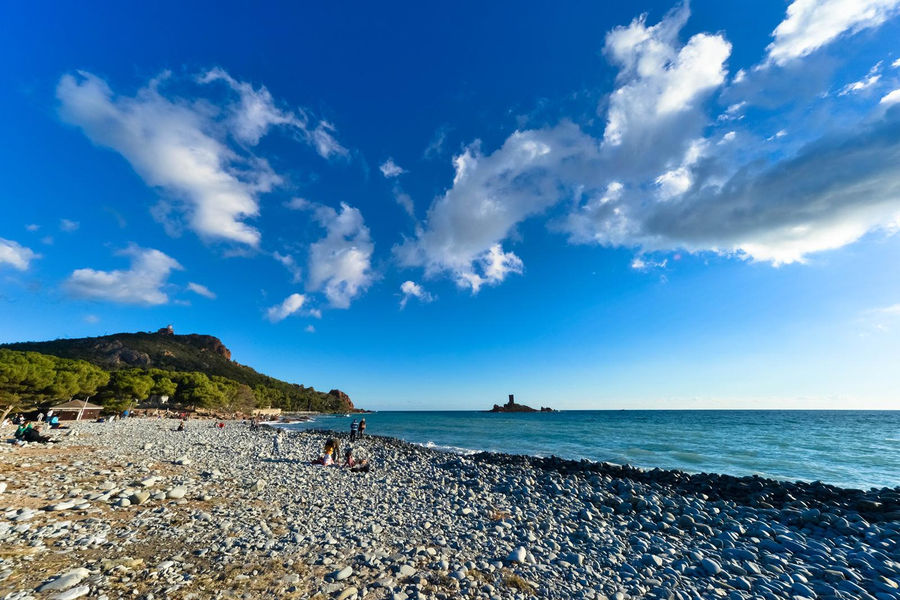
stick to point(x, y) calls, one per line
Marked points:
point(74, 410)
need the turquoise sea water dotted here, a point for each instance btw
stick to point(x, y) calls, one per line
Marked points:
point(848, 448)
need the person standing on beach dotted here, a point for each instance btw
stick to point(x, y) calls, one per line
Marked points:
point(276, 443)
point(362, 428)
point(354, 429)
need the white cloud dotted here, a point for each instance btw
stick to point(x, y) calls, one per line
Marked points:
point(871, 78)
point(16, 255)
point(677, 181)
point(143, 283)
point(67, 225)
point(812, 24)
point(405, 201)
point(893, 310)
point(181, 145)
point(310, 329)
point(32, 227)
point(340, 264)
point(201, 290)
point(256, 112)
point(288, 307)
point(642, 263)
point(436, 145)
point(891, 98)
point(324, 142)
point(170, 144)
point(291, 265)
point(491, 194)
point(411, 289)
point(658, 81)
point(391, 169)
point(92, 319)
point(896, 64)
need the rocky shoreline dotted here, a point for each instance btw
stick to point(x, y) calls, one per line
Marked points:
point(134, 509)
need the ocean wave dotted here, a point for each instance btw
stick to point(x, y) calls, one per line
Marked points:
point(444, 448)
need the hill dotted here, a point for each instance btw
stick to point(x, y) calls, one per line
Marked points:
point(164, 350)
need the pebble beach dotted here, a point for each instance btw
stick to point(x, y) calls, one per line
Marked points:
point(133, 509)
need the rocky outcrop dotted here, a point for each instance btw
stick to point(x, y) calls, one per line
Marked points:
point(344, 402)
point(206, 343)
point(116, 354)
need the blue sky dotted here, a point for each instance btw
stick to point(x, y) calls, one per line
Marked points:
point(658, 206)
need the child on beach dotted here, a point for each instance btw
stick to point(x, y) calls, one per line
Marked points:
point(354, 429)
point(362, 428)
point(276, 443)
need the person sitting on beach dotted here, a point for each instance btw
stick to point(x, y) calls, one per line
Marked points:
point(348, 456)
point(354, 429)
point(33, 434)
point(326, 459)
point(180, 425)
point(20, 431)
point(362, 428)
point(54, 422)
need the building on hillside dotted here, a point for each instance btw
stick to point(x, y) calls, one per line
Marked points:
point(74, 410)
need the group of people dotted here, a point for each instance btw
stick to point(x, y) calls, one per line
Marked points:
point(26, 433)
point(357, 428)
point(331, 453)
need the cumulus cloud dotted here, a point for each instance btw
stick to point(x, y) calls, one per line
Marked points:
point(32, 227)
point(659, 81)
point(340, 264)
point(16, 255)
point(490, 195)
point(201, 290)
point(812, 24)
point(665, 182)
point(411, 289)
point(143, 283)
point(288, 307)
point(181, 145)
point(391, 169)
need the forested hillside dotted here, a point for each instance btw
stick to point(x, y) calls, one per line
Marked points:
point(194, 370)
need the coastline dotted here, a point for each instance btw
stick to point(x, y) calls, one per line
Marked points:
point(223, 517)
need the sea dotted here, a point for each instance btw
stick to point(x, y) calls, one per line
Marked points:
point(857, 449)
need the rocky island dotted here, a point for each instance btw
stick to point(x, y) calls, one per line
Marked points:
point(512, 407)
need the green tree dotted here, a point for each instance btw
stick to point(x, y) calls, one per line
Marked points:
point(195, 389)
point(125, 388)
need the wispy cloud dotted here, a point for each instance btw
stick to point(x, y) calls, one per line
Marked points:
point(143, 283)
point(68, 225)
point(181, 145)
point(411, 289)
point(202, 290)
point(291, 265)
point(813, 24)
